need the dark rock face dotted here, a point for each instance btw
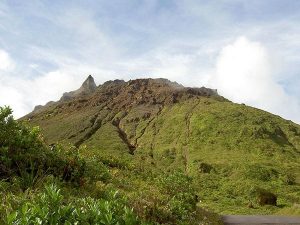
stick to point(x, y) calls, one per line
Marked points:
point(41, 107)
point(121, 95)
point(37, 107)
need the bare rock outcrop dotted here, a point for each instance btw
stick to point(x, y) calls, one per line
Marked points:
point(88, 87)
point(122, 95)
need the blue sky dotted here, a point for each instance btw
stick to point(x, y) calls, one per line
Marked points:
point(248, 50)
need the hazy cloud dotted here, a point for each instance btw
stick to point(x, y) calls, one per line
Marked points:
point(6, 62)
point(244, 74)
point(23, 94)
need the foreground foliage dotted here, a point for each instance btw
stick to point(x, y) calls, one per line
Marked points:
point(49, 207)
point(43, 184)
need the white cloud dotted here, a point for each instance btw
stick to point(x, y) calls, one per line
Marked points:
point(12, 97)
point(6, 62)
point(34, 66)
point(244, 74)
point(22, 94)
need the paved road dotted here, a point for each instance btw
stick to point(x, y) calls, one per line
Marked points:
point(268, 220)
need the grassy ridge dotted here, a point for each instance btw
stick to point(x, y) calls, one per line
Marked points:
point(245, 149)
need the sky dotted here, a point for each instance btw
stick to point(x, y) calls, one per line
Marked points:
point(248, 50)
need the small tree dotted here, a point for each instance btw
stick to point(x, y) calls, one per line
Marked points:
point(23, 153)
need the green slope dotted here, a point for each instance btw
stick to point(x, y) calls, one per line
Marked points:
point(231, 150)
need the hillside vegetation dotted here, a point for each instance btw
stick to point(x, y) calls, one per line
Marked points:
point(236, 156)
point(41, 184)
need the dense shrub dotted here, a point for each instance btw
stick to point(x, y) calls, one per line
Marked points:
point(112, 161)
point(24, 154)
point(170, 199)
point(97, 171)
point(205, 167)
point(50, 207)
point(260, 172)
point(263, 196)
point(18, 147)
point(181, 194)
point(289, 179)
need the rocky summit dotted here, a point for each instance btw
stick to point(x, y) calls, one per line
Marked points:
point(88, 87)
point(121, 94)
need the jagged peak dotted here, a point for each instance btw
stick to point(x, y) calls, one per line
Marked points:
point(89, 83)
point(112, 82)
point(88, 87)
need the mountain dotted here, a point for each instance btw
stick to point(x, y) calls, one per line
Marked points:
point(231, 150)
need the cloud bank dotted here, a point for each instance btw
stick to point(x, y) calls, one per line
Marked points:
point(6, 62)
point(244, 74)
point(23, 94)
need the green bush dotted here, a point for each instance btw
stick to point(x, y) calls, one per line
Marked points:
point(181, 194)
point(24, 154)
point(265, 197)
point(289, 179)
point(205, 167)
point(112, 161)
point(97, 171)
point(260, 172)
point(21, 149)
point(50, 207)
